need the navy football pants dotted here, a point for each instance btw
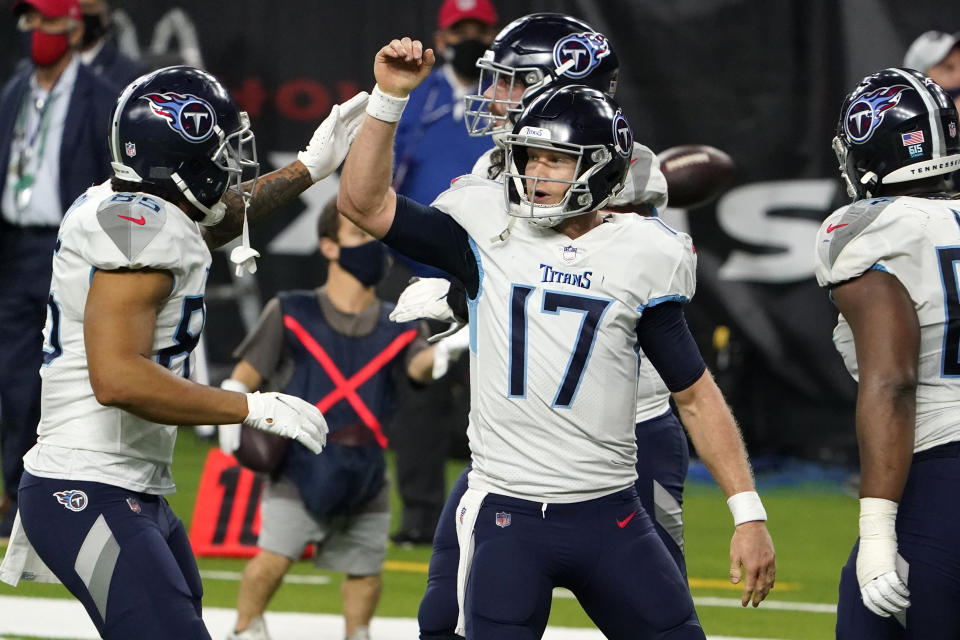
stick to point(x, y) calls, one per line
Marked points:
point(605, 551)
point(928, 538)
point(124, 555)
point(662, 456)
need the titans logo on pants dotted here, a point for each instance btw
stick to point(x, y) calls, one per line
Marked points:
point(194, 119)
point(72, 499)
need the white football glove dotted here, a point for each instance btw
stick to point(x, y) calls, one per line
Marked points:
point(331, 141)
point(448, 349)
point(287, 416)
point(424, 298)
point(881, 587)
point(645, 183)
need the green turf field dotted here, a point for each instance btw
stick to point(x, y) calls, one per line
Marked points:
point(813, 528)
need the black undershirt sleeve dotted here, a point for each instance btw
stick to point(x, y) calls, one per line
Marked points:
point(663, 335)
point(430, 236)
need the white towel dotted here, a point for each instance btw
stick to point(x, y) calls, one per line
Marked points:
point(21, 561)
point(466, 516)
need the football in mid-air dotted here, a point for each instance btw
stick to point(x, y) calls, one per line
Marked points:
point(696, 174)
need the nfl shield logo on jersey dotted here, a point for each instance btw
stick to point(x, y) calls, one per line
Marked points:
point(131, 149)
point(568, 253)
point(503, 519)
point(72, 499)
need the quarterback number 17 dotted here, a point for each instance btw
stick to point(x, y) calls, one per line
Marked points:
point(591, 309)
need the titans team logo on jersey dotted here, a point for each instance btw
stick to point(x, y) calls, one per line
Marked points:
point(622, 135)
point(866, 112)
point(72, 499)
point(586, 50)
point(188, 115)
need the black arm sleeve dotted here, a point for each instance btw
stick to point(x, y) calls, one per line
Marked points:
point(663, 335)
point(430, 236)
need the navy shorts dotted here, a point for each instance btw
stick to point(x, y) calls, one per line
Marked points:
point(605, 551)
point(123, 554)
point(928, 538)
point(662, 461)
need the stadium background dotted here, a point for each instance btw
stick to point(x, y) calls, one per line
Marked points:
point(760, 80)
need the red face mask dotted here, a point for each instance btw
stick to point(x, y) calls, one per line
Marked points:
point(47, 48)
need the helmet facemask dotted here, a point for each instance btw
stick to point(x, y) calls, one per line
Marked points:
point(518, 184)
point(502, 80)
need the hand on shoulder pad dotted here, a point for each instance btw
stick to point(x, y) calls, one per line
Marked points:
point(287, 416)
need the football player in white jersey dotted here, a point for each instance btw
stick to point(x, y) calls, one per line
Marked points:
point(890, 261)
point(125, 311)
point(530, 53)
point(554, 319)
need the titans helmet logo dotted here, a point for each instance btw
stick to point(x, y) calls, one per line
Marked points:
point(866, 112)
point(586, 50)
point(194, 119)
point(622, 135)
point(72, 499)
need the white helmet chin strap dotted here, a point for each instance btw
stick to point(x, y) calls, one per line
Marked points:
point(211, 215)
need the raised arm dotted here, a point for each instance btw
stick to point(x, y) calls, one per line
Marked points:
point(365, 193)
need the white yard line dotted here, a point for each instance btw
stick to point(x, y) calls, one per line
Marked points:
point(60, 618)
point(734, 603)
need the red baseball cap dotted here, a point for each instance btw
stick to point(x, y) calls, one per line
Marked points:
point(49, 8)
point(453, 11)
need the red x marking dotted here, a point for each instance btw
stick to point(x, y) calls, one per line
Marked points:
point(348, 388)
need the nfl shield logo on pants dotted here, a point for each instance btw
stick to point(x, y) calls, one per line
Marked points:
point(503, 519)
point(131, 149)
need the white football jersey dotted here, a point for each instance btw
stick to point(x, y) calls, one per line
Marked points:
point(78, 438)
point(554, 347)
point(646, 184)
point(917, 240)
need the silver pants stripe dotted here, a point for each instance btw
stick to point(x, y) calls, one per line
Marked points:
point(96, 561)
point(669, 513)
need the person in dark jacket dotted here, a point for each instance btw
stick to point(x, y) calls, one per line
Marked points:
point(54, 116)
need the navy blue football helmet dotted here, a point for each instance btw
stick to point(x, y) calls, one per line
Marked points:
point(898, 125)
point(579, 121)
point(532, 52)
point(178, 127)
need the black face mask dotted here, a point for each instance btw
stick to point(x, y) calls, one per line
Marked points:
point(366, 262)
point(463, 57)
point(93, 29)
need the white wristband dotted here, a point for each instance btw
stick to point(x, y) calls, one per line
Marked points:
point(878, 518)
point(384, 107)
point(232, 384)
point(746, 507)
